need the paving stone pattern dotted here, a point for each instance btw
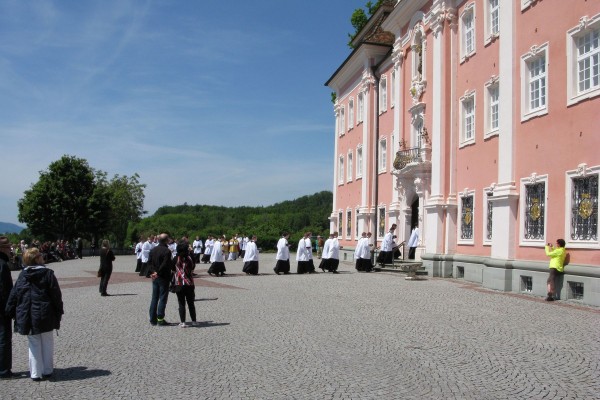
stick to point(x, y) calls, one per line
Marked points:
point(322, 336)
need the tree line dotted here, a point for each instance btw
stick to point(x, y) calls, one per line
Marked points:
point(71, 199)
point(307, 213)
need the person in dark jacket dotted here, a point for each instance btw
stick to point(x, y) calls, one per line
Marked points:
point(6, 285)
point(36, 305)
point(106, 266)
point(160, 270)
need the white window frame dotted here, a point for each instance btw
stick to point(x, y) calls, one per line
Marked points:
point(349, 167)
point(341, 170)
point(382, 147)
point(490, 33)
point(586, 26)
point(467, 14)
point(361, 108)
point(359, 162)
point(582, 170)
point(383, 94)
point(487, 194)
point(526, 3)
point(350, 114)
point(532, 179)
point(536, 53)
point(468, 97)
point(466, 193)
point(492, 86)
point(340, 226)
point(342, 121)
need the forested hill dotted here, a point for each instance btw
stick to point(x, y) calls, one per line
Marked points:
point(307, 213)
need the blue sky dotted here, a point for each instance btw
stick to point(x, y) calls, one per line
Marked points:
point(210, 102)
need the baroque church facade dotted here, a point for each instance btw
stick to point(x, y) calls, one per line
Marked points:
point(477, 121)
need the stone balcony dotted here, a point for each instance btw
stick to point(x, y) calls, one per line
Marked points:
point(409, 161)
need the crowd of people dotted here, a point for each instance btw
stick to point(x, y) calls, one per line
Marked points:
point(51, 251)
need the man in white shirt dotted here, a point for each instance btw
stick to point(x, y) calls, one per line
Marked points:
point(217, 258)
point(197, 246)
point(283, 255)
point(386, 254)
point(138, 254)
point(208, 245)
point(251, 258)
point(304, 254)
point(332, 252)
point(413, 242)
point(362, 248)
point(146, 247)
point(325, 253)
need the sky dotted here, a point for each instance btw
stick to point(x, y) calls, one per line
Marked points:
point(210, 102)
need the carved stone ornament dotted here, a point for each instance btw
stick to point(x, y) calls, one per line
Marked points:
point(367, 81)
point(582, 170)
point(418, 185)
point(397, 55)
point(416, 90)
point(583, 22)
point(533, 178)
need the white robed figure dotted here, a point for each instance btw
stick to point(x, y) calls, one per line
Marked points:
point(251, 258)
point(217, 259)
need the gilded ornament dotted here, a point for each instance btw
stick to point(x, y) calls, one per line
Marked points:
point(468, 217)
point(535, 211)
point(586, 207)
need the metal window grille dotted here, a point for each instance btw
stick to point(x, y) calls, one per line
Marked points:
point(526, 284)
point(490, 209)
point(466, 225)
point(584, 208)
point(576, 290)
point(535, 206)
point(381, 222)
point(349, 224)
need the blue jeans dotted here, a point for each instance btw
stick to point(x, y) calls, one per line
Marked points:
point(160, 295)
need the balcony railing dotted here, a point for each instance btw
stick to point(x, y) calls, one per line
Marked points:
point(416, 155)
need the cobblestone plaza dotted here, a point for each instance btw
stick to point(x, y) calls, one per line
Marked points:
point(322, 336)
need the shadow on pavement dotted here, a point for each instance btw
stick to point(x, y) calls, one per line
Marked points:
point(208, 324)
point(122, 294)
point(216, 298)
point(77, 373)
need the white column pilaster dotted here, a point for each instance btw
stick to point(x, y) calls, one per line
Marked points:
point(505, 198)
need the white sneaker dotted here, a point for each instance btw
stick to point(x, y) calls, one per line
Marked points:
point(183, 325)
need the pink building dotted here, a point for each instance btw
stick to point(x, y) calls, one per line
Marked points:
point(478, 121)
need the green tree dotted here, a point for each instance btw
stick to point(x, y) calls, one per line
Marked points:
point(126, 199)
point(64, 201)
point(360, 18)
point(71, 199)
